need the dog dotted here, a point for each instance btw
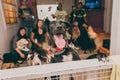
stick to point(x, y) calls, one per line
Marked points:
point(57, 49)
point(92, 34)
point(97, 39)
point(100, 56)
point(59, 44)
point(8, 61)
point(8, 65)
point(22, 44)
point(33, 59)
point(45, 50)
point(75, 31)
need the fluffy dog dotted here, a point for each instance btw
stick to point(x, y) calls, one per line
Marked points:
point(98, 41)
point(22, 44)
point(93, 35)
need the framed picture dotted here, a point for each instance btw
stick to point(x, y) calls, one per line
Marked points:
point(45, 11)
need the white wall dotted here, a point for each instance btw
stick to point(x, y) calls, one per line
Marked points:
point(67, 5)
point(115, 29)
point(107, 16)
point(2, 33)
point(6, 32)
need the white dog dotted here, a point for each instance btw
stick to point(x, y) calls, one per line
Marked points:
point(33, 59)
point(22, 44)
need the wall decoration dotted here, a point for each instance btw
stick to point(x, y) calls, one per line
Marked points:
point(45, 11)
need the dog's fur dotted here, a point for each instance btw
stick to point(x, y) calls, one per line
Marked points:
point(92, 34)
point(59, 28)
point(22, 44)
point(96, 37)
point(8, 61)
point(33, 59)
point(100, 56)
point(75, 31)
point(67, 55)
point(8, 65)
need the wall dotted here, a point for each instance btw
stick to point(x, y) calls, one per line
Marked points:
point(29, 2)
point(67, 5)
point(115, 29)
point(107, 16)
point(6, 33)
point(2, 33)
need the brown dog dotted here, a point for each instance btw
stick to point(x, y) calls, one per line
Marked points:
point(8, 65)
point(98, 39)
point(75, 31)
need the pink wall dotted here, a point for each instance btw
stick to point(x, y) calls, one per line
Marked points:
point(29, 2)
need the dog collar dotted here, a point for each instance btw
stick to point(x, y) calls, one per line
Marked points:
point(59, 53)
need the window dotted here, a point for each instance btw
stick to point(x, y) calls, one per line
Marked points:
point(10, 11)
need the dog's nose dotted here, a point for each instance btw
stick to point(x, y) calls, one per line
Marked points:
point(60, 27)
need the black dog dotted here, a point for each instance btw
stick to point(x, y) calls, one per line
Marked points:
point(59, 27)
point(98, 56)
point(8, 61)
point(8, 57)
point(62, 53)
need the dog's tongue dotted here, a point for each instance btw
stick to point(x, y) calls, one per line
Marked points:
point(60, 43)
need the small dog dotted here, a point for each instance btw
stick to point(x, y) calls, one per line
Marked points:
point(75, 31)
point(100, 56)
point(33, 59)
point(22, 44)
point(92, 34)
